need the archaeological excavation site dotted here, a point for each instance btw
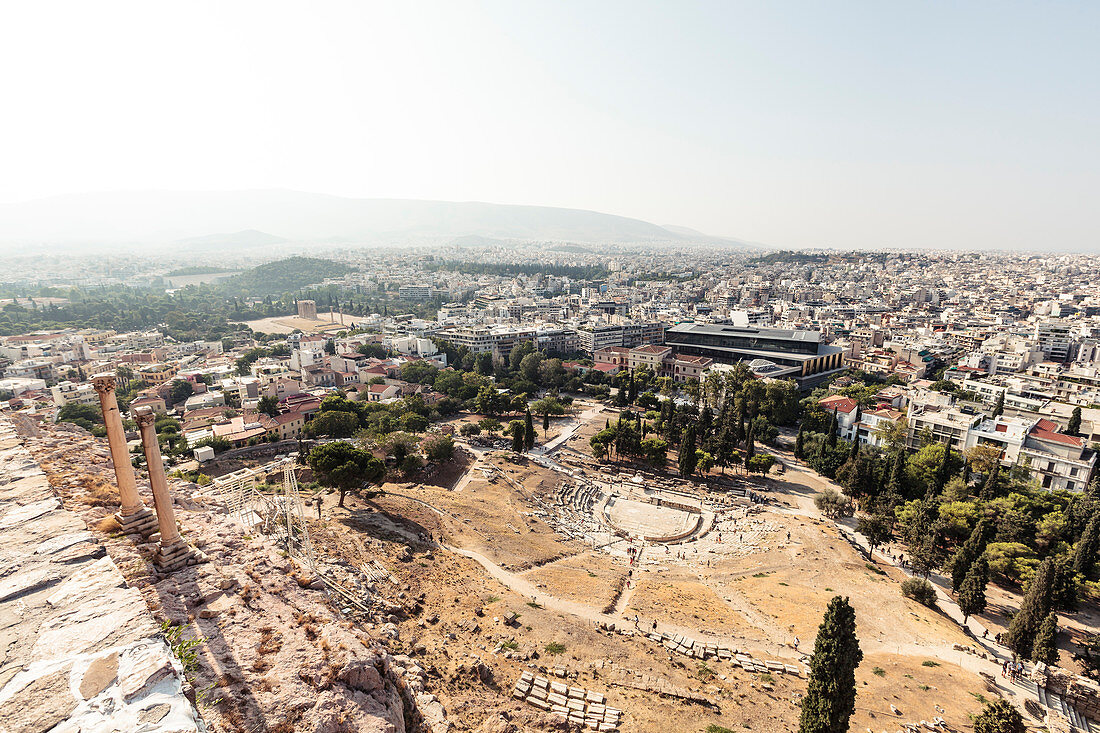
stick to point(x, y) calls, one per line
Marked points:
point(542, 590)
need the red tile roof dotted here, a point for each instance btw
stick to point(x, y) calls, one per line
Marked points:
point(839, 403)
point(1045, 424)
point(1053, 437)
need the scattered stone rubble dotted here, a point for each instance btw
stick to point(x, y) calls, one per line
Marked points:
point(575, 704)
point(707, 650)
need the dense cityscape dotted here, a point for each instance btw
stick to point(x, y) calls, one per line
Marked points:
point(633, 409)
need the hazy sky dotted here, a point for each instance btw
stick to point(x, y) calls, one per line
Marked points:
point(793, 124)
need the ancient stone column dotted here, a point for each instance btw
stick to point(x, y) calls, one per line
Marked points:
point(158, 481)
point(173, 552)
point(134, 516)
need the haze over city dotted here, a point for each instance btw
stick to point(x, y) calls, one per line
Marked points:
point(798, 124)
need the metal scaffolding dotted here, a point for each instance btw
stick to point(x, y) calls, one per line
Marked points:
point(277, 513)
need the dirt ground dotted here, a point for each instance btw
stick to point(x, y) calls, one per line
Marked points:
point(327, 321)
point(766, 598)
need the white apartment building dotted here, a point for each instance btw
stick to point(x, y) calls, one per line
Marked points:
point(65, 393)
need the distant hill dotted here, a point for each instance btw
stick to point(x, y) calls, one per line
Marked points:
point(246, 238)
point(166, 217)
point(283, 276)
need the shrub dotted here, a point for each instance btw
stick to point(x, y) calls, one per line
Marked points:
point(919, 590)
point(555, 647)
point(833, 504)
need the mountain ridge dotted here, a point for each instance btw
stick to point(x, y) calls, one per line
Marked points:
point(167, 217)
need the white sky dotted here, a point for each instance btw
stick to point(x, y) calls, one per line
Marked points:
point(792, 124)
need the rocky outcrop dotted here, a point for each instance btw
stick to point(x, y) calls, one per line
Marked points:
point(273, 654)
point(78, 647)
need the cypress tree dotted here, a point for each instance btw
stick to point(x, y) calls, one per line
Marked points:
point(944, 471)
point(1021, 633)
point(853, 452)
point(518, 438)
point(799, 442)
point(687, 452)
point(528, 431)
point(831, 692)
point(750, 443)
point(1045, 648)
point(1084, 556)
point(1074, 425)
point(897, 476)
point(546, 423)
point(834, 425)
point(972, 590)
point(989, 488)
point(1064, 595)
point(967, 553)
point(999, 407)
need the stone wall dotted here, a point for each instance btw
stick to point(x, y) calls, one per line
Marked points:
point(78, 644)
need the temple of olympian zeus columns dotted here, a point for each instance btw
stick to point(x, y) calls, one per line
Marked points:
point(134, 517)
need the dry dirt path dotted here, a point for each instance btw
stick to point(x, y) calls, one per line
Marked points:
point(573, 426)
point(520, 585)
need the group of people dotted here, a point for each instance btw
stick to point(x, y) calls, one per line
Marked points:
point(1012, 670)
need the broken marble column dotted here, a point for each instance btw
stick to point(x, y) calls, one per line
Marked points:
point(173, 552)
point(133, 516)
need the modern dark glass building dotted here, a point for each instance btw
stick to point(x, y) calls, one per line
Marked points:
point(800, 354)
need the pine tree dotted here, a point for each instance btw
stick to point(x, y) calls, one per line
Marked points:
point(831, 692)
point(967, 553)
point(1074, 425)
point(688, 459)
point(999, 716)
point(1021, 633)
point(1084, 556)
point(971, 596)
point(1045, 648)
point(799, 442)
point(528, 431)
point(834, 425)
